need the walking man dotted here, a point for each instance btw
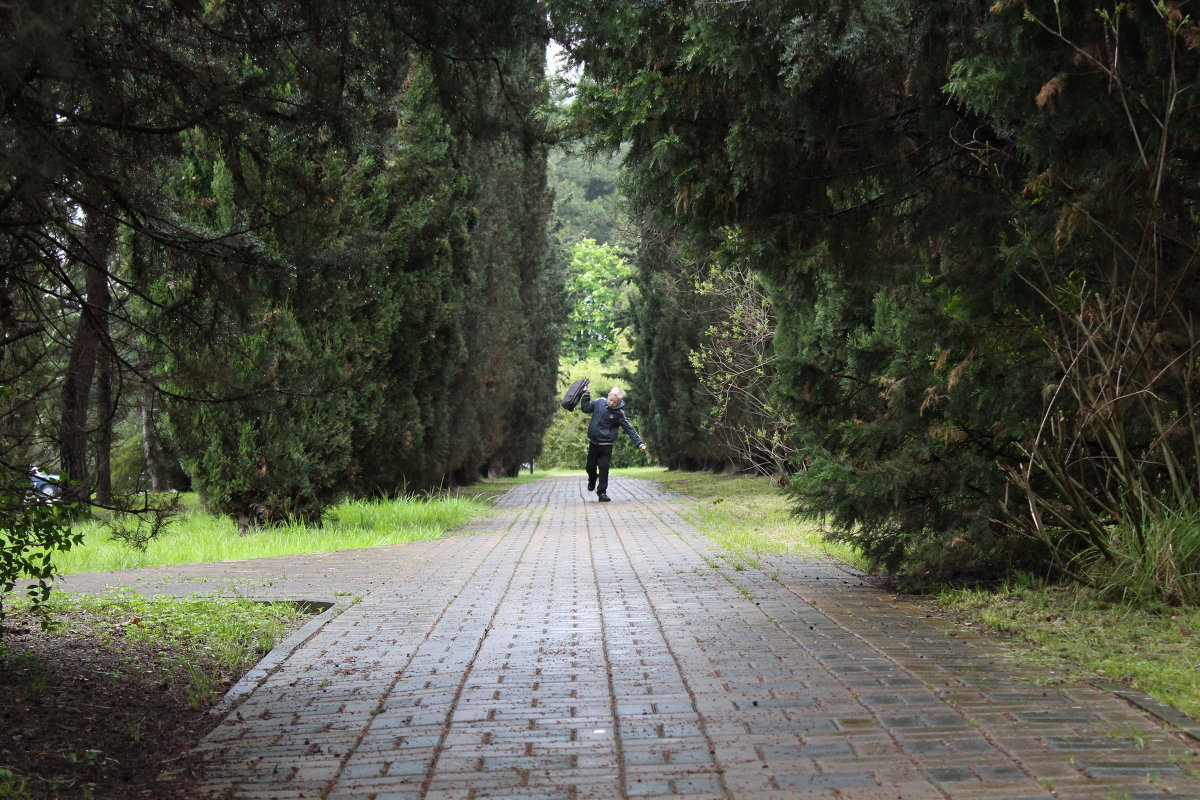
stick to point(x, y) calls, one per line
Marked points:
point(607, 417)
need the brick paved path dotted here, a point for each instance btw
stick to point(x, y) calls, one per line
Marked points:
point(586, 650)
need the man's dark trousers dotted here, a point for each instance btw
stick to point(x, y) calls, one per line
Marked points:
point(599, 457)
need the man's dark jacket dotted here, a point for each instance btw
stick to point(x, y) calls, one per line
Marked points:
point(602, 430)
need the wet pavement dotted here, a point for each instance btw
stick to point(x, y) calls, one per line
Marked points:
point(573, 649)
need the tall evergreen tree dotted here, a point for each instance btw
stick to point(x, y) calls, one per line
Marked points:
point(405, 360)
point(1091, 112)
point(816, 137)
point(278, 249)
point(668, 328)
point(937, 195)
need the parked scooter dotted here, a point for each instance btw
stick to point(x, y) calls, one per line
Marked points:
point(48, 486)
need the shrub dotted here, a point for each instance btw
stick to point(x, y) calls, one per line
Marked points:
point(1158, 564)
point(30, 533)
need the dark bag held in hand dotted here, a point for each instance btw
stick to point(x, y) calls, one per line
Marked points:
point(571, 398)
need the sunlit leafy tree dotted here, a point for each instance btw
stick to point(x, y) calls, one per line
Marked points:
point(598, 288)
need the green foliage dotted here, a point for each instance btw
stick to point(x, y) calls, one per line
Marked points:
point(130, 468)
point(32, 533)
point(514, 318)
point(1106, 234)
point(138, 527)
point(976, 232)
point(597, 288)
point(404, 337)
point(337, 280)
point(668, 328)
point(564, 445)
point(281, 453)
point(585, 197)
point(903, 423)
point(735, 366)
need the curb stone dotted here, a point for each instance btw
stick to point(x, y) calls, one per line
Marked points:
point(279, 653)
point(1168, 714)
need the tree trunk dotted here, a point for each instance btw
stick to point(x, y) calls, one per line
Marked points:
point(105, 412)
point(150, 448)
point(81, 366)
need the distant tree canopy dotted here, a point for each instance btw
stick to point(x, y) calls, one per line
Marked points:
point(305, 242)
point(586, 196)
point(977, 227)
point(598, 289)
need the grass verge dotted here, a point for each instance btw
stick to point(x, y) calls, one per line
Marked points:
point(198, 537)
point(207, 638)
point(1153, 650)
point(748, 516)
point(97, 705)
point(1071, 634)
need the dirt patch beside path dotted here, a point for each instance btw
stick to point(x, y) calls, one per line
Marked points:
point(87, 714)
point(92, 716)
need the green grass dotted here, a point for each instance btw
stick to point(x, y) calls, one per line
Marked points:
point(747, 516)
point(198, 537)
point(12, 785)
point(208, 639)
point(1154, 651)
point(1161, 564)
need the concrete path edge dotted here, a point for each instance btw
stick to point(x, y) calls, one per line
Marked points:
point(271, 661)
point(1169, 715)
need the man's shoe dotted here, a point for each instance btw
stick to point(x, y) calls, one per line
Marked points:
point(591, 484)
point(602, 497)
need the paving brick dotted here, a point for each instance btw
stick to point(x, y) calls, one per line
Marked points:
point(571, 649)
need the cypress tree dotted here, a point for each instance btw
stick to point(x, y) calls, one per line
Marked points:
point(668, 327)
point(401, 306)
point(1091, 123)
point(813, 137)
point(958, 213)
point(247, 161)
